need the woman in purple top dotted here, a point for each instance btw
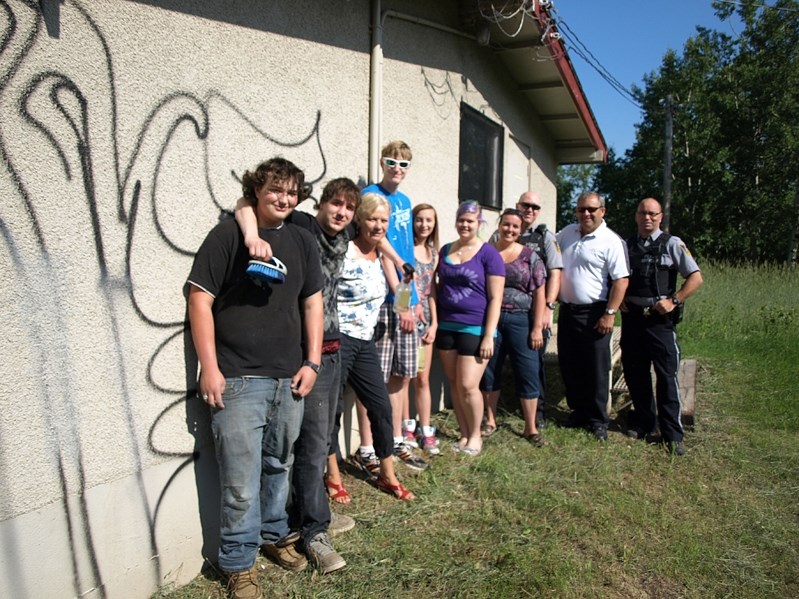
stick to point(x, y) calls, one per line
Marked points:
point(471, 276)
point(520, 329)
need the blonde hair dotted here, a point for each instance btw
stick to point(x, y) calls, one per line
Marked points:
point(396, 148)
point(369, 203)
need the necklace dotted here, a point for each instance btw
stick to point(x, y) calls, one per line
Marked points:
point(463, 248)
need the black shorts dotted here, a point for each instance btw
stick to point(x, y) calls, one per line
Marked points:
point(465, 343)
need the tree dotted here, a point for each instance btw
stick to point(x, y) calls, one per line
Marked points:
point(573, 179)
point(735, 182)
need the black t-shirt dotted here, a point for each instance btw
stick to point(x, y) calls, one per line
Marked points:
point(332, 250)
point(258, 329)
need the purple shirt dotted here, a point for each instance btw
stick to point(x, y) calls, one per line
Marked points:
point(462, 288)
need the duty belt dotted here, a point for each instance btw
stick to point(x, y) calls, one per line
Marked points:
point(643, 302)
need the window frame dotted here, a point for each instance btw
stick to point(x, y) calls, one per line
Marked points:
point(483, 181)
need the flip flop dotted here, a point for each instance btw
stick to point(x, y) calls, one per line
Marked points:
point(537, 439)
point(470, 451)
point(337, 492)
point(487, 430)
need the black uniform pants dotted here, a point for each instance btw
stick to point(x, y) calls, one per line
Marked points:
point(648, 340)
point(584, 358)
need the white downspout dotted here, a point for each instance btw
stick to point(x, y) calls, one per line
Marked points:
point(376, 94)
point(376, 78)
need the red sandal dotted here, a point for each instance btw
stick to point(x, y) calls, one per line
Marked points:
point(398, 491)
point(337, 492)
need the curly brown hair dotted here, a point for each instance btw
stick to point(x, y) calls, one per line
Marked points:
point(274, 170)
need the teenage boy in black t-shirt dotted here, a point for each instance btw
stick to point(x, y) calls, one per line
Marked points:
point(259, 346)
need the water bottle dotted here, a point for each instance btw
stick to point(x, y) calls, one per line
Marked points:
point(420, 355)
point(402, 298)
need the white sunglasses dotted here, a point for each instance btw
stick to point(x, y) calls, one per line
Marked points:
point(392, 162)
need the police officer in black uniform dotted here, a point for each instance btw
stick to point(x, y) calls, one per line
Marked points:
point(651, 309)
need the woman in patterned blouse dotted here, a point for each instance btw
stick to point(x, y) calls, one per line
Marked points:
point(520, 329)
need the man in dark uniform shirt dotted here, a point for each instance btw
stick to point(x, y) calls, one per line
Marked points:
point(649, 315)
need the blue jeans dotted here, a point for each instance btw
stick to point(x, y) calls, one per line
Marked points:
point(310, 507)
point(513, 339)
point(254, 437)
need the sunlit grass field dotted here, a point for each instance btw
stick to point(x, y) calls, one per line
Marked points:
point(578, 519)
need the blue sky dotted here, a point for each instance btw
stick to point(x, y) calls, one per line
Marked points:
point(629, 38)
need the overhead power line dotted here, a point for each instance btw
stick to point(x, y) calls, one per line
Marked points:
point(777, 8)
point(578, 48)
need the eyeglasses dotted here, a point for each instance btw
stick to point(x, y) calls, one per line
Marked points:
point(648, 213)
point(526, 206)
point(591, 209)
point(392, 162)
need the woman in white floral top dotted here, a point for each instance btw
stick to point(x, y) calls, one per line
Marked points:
point(361, 292)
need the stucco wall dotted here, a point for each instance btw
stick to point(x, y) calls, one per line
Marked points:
point(125, 128)
point(428, 73)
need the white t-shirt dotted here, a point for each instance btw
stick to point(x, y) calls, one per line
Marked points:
point(588, 262)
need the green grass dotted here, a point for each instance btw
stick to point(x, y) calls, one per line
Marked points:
point(623, 519)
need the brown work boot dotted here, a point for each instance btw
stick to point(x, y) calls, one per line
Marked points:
point(284, 553)
point(244, 585)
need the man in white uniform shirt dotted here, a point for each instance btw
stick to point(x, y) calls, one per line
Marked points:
point(592, 287)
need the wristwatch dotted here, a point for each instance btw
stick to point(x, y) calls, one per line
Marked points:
point(610, 311)
point(312, 365)
point(551, 305)
point(675, 300)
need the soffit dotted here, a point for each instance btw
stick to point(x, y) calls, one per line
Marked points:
point(524, 39)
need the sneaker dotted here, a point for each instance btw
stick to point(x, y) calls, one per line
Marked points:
point(420, 435)
point(403, 454)
point(339, 523)
point(430, 445)
point(368, 463)
point(676, 448)
point(600, 432)
point(285, 554)
point(636, 433)
point(244, 585)
point(322, 555)
point(409, 438)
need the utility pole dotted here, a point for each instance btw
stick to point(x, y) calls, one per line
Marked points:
point(791, 257)
point(669, 106)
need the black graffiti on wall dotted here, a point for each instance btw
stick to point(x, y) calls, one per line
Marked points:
point(119, 225)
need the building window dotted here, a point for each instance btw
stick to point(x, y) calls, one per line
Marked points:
point(481, 148)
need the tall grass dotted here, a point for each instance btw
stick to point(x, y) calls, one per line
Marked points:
point(738, 303)
point(579, 519)
point(746, 320)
